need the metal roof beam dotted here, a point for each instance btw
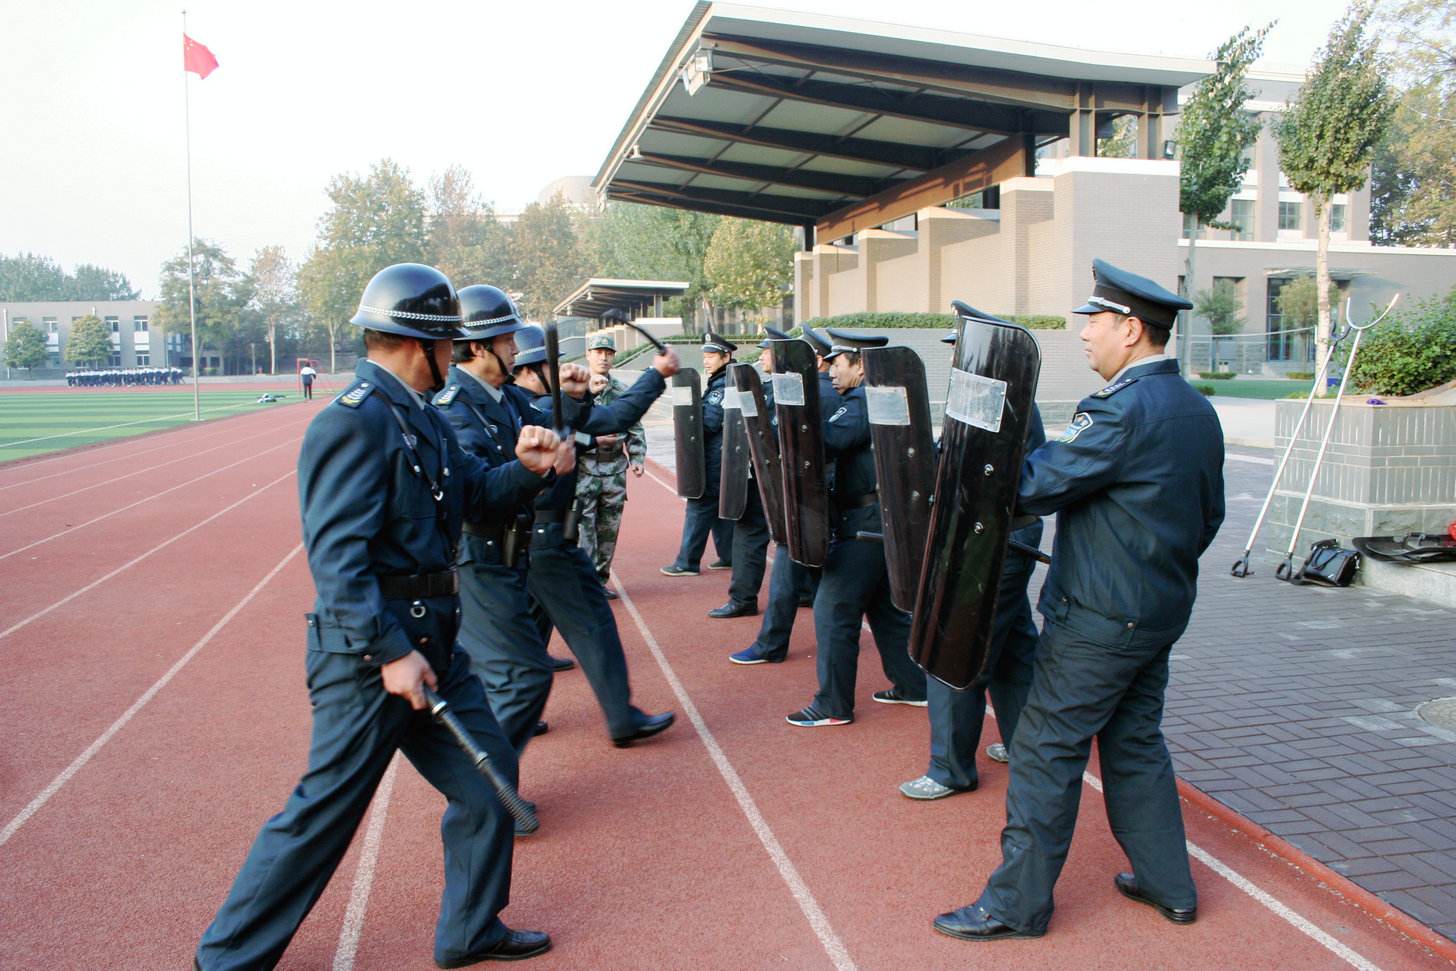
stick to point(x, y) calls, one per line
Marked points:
point(917, 157)
point(720, 209)
point(843, 185)
point(933, 109)
point(804, 209)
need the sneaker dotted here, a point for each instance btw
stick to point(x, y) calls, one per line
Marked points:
point(811, 717)
point(673, 570)
point(892, 696)
point(751, 656)
point(998, 753)
point(926, 788)
point(720, 565)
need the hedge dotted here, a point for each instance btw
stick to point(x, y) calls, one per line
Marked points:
point(1413, 351)
point(1216, 375)
point(888, 321)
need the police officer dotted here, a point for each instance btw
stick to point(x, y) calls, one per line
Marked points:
point(956, 716)
point(601, 490)
point(701, 516)
point(488, 415)
point(383, 486)
point(791, 585)
point(1137, 481)
point(855, 584)
point(562, 581)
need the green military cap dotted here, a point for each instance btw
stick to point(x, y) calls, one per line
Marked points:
point(601, 341)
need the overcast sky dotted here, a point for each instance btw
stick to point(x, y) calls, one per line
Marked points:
point(92, 164)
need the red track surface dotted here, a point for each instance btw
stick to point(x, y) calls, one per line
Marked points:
point(154, 721)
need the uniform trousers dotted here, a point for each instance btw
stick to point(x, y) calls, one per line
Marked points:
point(956, 717)
point(699, 519)
point(853, 587)
point(1095, 677)
point(789, 583)
point(566, 593)
point(357, 728)
point(600, 499)
point(750, 549)
point(505, 647)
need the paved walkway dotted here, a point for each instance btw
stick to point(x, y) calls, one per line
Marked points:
point(1295, 706)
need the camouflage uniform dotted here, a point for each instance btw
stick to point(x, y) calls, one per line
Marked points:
point(601, 489)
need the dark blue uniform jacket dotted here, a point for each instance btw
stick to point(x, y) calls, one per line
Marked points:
point(847, 442)
point(713, 428)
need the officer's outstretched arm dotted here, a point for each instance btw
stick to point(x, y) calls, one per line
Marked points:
point(1082, 460)
point(624, 410)
point(505, 485)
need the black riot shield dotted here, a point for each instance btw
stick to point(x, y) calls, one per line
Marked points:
point(763, 448)
point(733, 473)
point(687, 426)
point(900, 432)
point(988, 404)
point(801, 445)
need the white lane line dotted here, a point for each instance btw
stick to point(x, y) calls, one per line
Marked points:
point(134, 561)
point(672, 489)
point(142, 471)
point(146, 499)
point(1267, 900)
point(353, 927)
point(148, 695)
point(830, 941)
point(130, 456)
point(1251, 459)
point(124, 424)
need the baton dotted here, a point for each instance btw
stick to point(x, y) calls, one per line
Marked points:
point(553, 373)
point(618, 317)
point(523, 814)
point(1019, 547)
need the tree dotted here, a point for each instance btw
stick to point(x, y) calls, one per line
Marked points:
point(221, 295)
point(98, 283)
point(1214, 136)
point(466, 241)
point(26, 346)
point(549, 257)
point(1121, 141)
point(275, 295)
point(1220, 306)
point(27, 276)
point(1328, 135)
point(654, 243)
point(1299, 302)
point(749, 263)
point(89, 342)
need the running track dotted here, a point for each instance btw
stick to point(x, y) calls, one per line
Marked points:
point(150, 628)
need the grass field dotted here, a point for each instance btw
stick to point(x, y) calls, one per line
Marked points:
point(1267, 390)
point(34, 423)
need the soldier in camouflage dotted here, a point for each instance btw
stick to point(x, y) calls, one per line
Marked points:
point(601, 489)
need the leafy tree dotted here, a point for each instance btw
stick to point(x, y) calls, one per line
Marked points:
point(89, 342)
point(26, 347)
point(27, 276)
point(1328, 136)
point(548, 255)
point(98, 283)
point(275, 295)
point(222, 293)
point(1214, 135)
point(466, 241)
point(749, 263)
point(1299, 302)
point(654, 243)
point(1411, 352)
point(1122, 141)
point(1220, 306)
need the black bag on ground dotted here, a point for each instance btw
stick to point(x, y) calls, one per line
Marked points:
point(1329, 564)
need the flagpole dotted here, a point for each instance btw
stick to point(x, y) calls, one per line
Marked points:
point(191, 284)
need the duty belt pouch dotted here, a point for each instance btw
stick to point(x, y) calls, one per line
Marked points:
point(571, 525)
point(1329, 564)
point(511, 543)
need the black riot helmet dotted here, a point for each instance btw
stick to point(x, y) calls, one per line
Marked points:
point(531, 346)
point(487, 312)
point(411, 300)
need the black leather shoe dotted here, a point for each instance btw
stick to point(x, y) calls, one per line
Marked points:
point(541, 729)
point(561, 663)
point(734, 608)
point(1126, 884)
point(608, 592)
point(515, 946)
point(972, 923)
point(647, 726)
point(720, 565)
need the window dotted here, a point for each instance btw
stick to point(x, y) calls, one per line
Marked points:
point(113, 324)
point(139, 325)
point(1289, 215)
point(1337, 217)
point(17, 321)
point(114, 360)
point(1190, 225)
point(144, 360)
point(1241, 214)
point(50, 325)
point(1280, 343)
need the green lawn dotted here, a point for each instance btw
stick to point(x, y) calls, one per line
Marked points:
point(1269, 390)
point(33, 423)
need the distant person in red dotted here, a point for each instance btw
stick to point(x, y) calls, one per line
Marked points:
point(306, 374)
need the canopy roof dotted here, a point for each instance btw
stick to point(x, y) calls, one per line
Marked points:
point(821, 121)
point(598, 295)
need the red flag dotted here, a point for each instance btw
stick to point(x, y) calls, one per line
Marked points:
point(197, 58)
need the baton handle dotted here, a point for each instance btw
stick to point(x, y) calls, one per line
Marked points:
point(553, 372)
point(505, 792)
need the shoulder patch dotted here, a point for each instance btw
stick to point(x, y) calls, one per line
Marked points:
point(1113, 389)
point(839, 414)
point(713, 397)
point(1081, 421)
point(444, 398)
point(354, 396)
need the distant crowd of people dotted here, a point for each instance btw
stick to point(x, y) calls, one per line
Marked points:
point(123, 377)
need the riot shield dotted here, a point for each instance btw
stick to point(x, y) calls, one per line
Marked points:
point(900, 433)
point(763, 448)
point(733, 472)
point(801, 445)
point(992, 390)
point(687, 426)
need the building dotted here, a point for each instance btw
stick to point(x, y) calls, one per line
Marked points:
point(136, 338)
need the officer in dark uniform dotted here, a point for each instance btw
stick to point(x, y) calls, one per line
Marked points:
point(561, 576)
point(1137, 480)
point(487, 413)
point(854, 584)
point(383, 487)
point(956, 717)
point(701, 516)
point(792, 585)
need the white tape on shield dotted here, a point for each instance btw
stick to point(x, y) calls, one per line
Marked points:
point(749, 406)
point(788, 388)
point(682, 394)
point(730, 399)
point(887, 405)
point(976, 400)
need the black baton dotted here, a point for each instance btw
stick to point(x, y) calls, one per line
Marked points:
point(523, 814)
point(620, 317)
point(553, 373)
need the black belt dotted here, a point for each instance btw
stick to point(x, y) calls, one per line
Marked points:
point(550, 516)
point(856, 502)
point(422, 586)
point(490, 531)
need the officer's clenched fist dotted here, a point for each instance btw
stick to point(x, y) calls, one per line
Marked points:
point(537, 448)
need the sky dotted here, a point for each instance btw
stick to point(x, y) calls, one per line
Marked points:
point(92, 133)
